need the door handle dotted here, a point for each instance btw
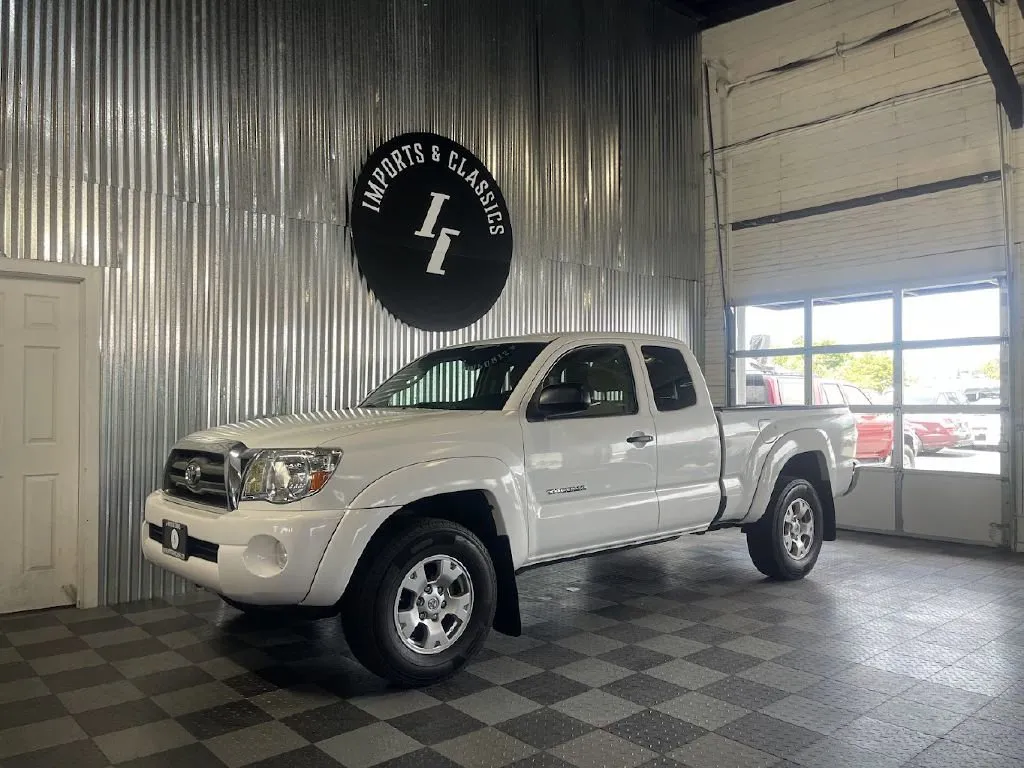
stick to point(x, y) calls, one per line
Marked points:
point(640, 440)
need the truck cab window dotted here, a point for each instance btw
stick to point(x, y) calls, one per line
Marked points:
point(670, 378)
point(604, 372)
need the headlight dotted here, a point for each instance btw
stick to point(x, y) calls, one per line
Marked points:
point(284, 476)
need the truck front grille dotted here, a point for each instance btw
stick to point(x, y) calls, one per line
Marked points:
point(206, 483)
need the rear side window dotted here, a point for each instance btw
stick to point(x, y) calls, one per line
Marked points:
point(670, 378)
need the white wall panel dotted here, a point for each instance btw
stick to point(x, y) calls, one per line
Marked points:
point(872, 505)
point(955, 507)
point(950, 234)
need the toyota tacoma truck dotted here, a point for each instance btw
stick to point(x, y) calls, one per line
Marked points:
point(411, 514)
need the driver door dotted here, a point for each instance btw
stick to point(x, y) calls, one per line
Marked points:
point(592, 474)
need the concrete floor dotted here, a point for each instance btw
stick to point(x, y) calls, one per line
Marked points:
point(894, 652)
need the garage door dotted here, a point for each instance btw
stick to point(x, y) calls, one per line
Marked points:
point(39, 443)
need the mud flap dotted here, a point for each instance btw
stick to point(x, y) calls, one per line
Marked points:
point(507, 620)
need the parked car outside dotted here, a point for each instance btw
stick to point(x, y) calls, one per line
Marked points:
point(939, 431)
point(874, 431)
point(986, 428)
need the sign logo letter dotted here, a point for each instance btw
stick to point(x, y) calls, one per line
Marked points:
point(436, 264)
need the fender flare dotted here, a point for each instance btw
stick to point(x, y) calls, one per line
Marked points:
point(786, 447)
point(414, 482)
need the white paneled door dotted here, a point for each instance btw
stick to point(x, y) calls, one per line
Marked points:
point(39, 443)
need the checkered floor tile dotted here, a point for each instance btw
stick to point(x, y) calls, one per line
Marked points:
point(892, 653)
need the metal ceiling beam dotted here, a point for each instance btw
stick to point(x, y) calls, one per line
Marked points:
point(983, 31)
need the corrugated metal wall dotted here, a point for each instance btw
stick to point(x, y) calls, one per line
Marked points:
point(202, 153)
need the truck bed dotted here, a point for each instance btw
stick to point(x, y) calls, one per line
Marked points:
point(750, 432)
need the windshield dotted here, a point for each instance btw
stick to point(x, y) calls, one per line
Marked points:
point(473, 378)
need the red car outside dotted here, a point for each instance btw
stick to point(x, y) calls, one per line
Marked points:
point(874, 431)
point(937, 431)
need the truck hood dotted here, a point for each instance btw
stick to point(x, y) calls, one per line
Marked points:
point(323, 428)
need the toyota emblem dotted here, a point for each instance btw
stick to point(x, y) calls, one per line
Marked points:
point(193, 474)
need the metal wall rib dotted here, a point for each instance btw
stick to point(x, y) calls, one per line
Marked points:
point(202, 154)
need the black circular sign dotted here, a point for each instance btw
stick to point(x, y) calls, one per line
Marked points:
point(431, 232)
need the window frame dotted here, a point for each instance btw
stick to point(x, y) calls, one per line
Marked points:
point(736, 373)
point(531, 408)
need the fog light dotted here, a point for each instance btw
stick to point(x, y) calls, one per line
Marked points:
point(265, 556)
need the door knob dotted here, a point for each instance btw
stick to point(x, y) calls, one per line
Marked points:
point(640, 440)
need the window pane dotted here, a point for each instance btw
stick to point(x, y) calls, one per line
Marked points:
point(670, 378)
point(952, 375)
point(852, 320)
point(854, 378)
point(956, 442)
point(770, 381)
point(951, 312)
point(778, 326)
point(605, 373)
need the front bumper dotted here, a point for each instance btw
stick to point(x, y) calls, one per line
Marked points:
point(232, 562)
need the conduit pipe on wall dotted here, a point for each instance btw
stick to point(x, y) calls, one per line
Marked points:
point(840, 49)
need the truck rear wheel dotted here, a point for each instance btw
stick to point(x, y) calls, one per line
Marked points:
point(784, 544)
point(421, 606)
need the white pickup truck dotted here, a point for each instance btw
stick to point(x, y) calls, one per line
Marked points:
point(411, 514)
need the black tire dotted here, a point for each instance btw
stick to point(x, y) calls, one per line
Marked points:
point(368, 612)
point(765, 538)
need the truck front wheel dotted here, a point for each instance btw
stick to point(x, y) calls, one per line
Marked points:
point(784, 544)
point(421, 606)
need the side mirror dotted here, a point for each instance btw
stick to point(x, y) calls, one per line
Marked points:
point(562, 400)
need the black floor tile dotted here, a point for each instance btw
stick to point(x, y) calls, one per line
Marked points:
point(544, 728)
point(119, 717)
point(644, 690)
point(325, 722)
point(191, 756)
point(87, 677)
point(436, 724)
point(226, 718)
point(546, 688)
point(34, 710)
point(132, 650)
point(422, 758)
point(78, 754)
point(16, 670)
point(172, 680)
point(656, 731)
point(52, 648)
